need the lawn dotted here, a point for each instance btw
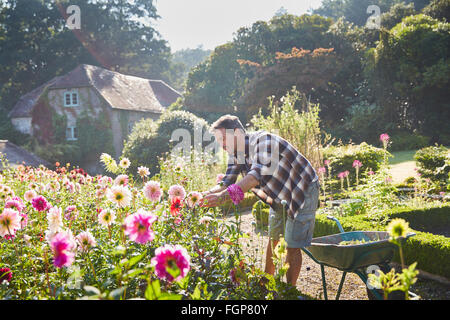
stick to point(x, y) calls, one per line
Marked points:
point(402, 165)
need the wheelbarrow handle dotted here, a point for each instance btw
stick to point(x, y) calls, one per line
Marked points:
point(337, 222)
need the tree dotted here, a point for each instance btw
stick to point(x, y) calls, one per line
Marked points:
point(111, 36)
point(396, 13)
point(355, 11)
point(217, 84)
point(304, 69)
point(438, 9)
point(410, 75)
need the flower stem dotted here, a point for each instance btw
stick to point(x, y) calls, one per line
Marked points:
point(92, 266)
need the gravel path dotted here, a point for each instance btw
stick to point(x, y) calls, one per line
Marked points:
point(310, 282)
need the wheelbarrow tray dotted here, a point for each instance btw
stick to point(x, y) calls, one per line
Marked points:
point(328, 251)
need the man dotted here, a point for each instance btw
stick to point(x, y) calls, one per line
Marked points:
point(280, 176)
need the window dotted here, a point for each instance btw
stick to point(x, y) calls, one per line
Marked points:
point(71, 99)
point(71, 133)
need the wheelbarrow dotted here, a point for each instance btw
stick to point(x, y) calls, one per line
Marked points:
point(375, 251)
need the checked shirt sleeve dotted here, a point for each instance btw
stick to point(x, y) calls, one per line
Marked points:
point(263, 157)
point(231, 174)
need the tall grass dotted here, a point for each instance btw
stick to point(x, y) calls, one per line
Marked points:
point(300, 128)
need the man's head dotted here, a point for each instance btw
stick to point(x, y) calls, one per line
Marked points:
point(229, 133)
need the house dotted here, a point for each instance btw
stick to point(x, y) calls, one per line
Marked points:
point(17, 156)
point(98, 92)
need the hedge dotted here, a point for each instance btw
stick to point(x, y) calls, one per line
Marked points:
point(432, 252)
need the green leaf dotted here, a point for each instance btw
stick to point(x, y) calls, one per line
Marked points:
point(136, 259)
point(170, 296)
point(93, 290)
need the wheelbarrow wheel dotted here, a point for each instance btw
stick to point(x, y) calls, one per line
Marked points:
point(395, 295)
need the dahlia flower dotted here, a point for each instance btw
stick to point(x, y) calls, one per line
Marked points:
point(171, 260)
point(219, 177)
point(106, 217)
point(236, 193)
point(124, 163)
point(120, 195)
point(9, 222)
point(138, 226)
point(5, 274)
point(175, 206)
point(177, 191)
point(40, 203)
point(193, 198)
point(357, 164)
point(152, 190)
point(15, 203)
point(143, 171)
point(54, 219)
point(86, 240)
point(63, 250)
point(121, 180)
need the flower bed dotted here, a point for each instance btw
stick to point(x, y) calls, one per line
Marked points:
point(67, 235)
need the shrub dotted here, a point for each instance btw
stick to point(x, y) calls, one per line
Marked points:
point(408, 141)
point(433, 163)
point(260, 212)
point(141, 144)
point(342, 157)
point(150, 141)
point(364, 122)
point(301, 129)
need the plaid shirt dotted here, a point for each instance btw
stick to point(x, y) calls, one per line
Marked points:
point(282, 171)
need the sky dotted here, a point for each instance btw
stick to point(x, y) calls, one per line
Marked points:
point(191, 23)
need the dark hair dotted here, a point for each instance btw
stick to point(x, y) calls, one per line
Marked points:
point(227, 121)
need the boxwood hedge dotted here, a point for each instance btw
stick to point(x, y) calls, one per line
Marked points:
point(431, 251)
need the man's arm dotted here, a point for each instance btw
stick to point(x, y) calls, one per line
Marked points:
point(215, 189)
point(215, 199)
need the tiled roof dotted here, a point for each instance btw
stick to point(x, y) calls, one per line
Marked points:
point(119, 91)
point(17, 155)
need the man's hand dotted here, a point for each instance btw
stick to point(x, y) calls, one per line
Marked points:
point(214, 199)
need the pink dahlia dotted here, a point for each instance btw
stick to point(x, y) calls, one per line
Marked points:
point(40, 203)
point(152, 190)
point(29, 195)
point(219, 177)
point(171, 258)
point(9, 222)
point(62, 248)
point(236, 193)
point(194, 198)
point(138, 226)
point(121, 180)
point(5, 274)
point(322, 170)
point(15, 203)
point(177, 191)
point(86, 241)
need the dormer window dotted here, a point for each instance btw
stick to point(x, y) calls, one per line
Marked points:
point(71, 99)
